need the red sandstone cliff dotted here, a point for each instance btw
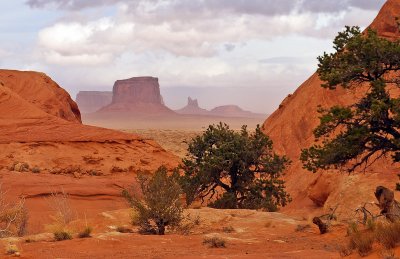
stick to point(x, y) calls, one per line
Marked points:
point(291, 126)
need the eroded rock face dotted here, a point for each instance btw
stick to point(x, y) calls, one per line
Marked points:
point(39, 91)
point(137, 95)
point(291, 129)
point(92, 101)
point(137, 90)
point(193, 108)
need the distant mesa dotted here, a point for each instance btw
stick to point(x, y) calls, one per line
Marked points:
point(193, 108)
point(137, 95)
point(92, 101)
point(233, 111)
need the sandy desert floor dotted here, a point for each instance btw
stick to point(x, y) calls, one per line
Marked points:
point(248, 234)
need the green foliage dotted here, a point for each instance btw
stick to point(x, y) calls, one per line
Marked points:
point(160, 206)
point(357, 135)
point(241, 165)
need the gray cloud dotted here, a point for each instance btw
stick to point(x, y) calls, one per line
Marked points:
point(329, 6)
point(260, 7)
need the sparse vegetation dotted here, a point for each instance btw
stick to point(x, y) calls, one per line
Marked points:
point(12, 249)
point(160, 206)
point(362, 242)
point(214, 242)
point(61, 235)
point(123, 229)
point(241, 164)
point(35, 170)
point(228, 229)
point(13, 216)
point(388, 234)
point(86, 232)
point(59, 203)
point(385, 233)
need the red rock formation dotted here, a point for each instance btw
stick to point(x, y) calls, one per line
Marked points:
point(92, 101)
point(291, 129)
point(192, 108)
point(40, 126)
point(137, 95)
point(41, 92)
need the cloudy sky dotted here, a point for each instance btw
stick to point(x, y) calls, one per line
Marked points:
point(247, 52)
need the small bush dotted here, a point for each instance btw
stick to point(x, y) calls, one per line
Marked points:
point(388, 234)
point(135, 219)
point(60, 204)
point(85, 232)
point(362, 242)
point(62, 235)
point(228, 229)
point(352, 228)
point(12, 249)
point(214, 242)
point(35, 170)
point(160, 206)
point(123, 229)
point(13, 217)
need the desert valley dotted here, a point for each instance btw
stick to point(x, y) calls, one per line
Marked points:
point(118, 173)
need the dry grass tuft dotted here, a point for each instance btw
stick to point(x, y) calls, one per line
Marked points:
point(362, 242)
point(388, 234)
point(86, 232)
point(214, 242)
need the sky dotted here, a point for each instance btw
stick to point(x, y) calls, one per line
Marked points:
point(252, 53)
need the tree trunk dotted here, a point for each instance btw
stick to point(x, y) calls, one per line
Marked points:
point(161, 227)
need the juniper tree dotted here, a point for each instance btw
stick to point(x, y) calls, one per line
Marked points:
point(355, 136)
point(234, 170)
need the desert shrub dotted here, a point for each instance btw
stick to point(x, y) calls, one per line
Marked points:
point(135, 219)
point(61, 235)
point(86, 232)
point(352, 228)
point(214, 242)
point(228, 229)
point(13, 216)
point(241, 164)
point(35, 170)
point(362, 241)
point(123, 229)
point(59, 203)
point(160, 205)
point(12, 249)
point(388, 234)
point(188, 224)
